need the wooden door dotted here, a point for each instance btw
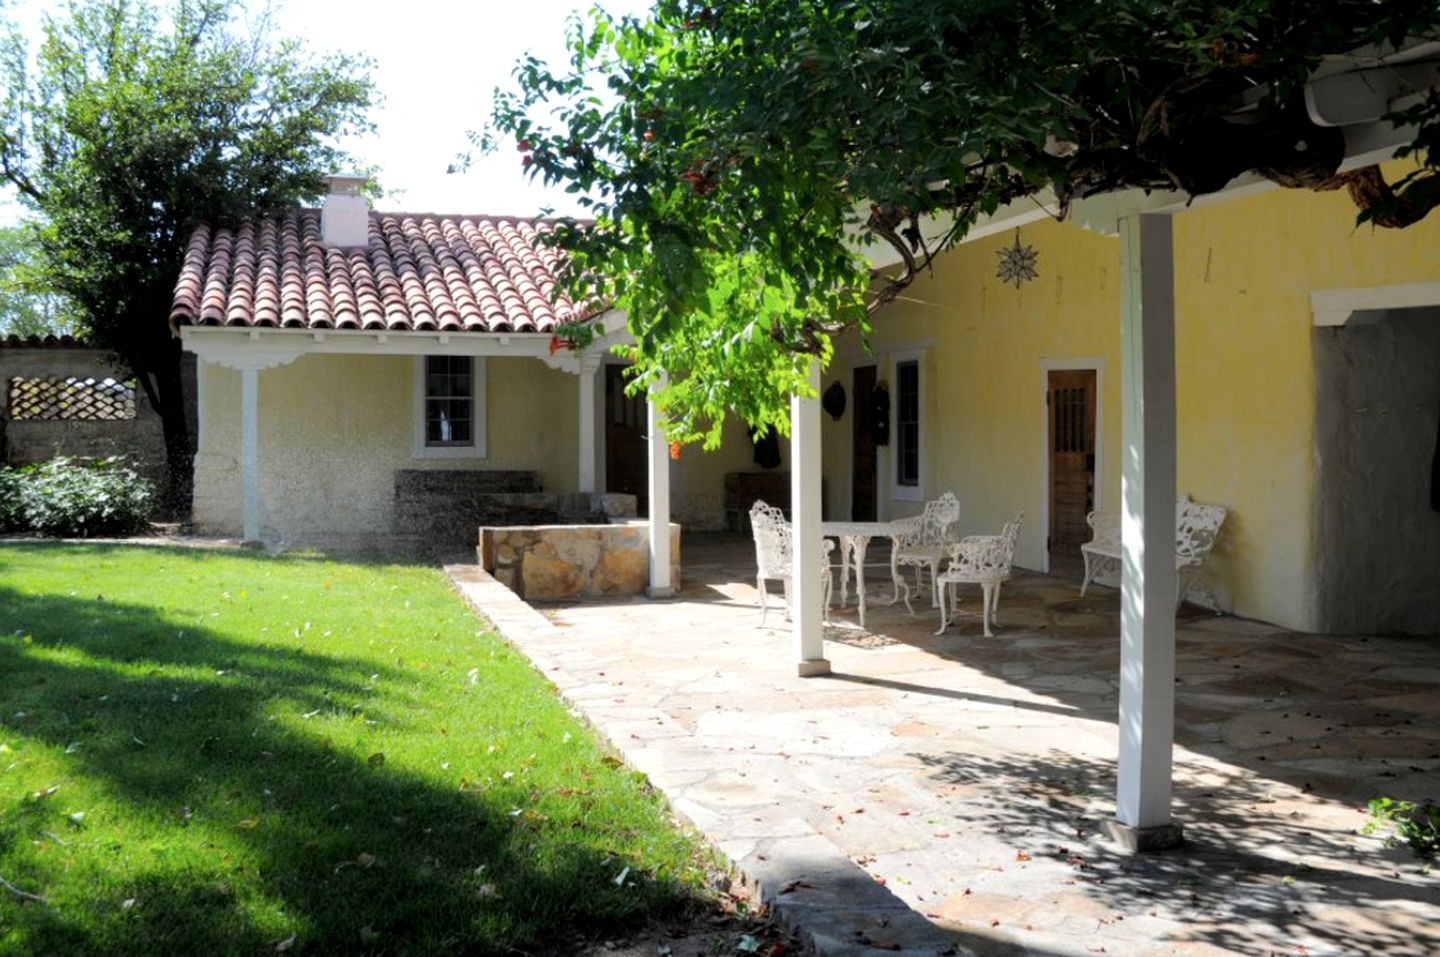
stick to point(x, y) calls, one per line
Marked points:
point(626, 466)
point(863, 479)
point(1071, 401)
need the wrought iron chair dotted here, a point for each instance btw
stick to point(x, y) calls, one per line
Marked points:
point(982, 560)
point(922, 542)
point(774, 556)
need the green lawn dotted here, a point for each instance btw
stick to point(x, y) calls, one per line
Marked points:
point(221, 753)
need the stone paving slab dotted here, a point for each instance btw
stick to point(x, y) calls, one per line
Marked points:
point(949, 795)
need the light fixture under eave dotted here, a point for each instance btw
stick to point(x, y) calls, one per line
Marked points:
point(1017, 262)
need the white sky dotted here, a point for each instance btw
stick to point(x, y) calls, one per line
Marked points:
point(437, 63)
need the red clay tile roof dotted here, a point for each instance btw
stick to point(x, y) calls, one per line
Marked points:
point(420, 271)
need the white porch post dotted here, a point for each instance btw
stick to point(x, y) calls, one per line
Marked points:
point(250, 453)
point(586, 444)
point(806, 601)
point(660, 584)
point(1148, 582)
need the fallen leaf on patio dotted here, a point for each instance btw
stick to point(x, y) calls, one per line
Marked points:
point(903, 813)
point(942, 833)
point(994, 922)
point(1021, 856)
point(285, 945)
point(376, 760)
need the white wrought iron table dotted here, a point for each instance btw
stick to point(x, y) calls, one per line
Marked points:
point(854, 540)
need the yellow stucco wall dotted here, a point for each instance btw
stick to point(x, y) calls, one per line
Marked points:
point(333, 431)
point(1245, 382)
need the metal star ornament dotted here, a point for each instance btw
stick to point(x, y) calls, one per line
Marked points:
point(1017, 262)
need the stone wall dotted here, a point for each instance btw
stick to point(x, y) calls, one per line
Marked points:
point(25, 441)
point(1377, 538)
point(566, 562)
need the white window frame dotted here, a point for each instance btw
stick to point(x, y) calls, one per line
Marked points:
point(916, 492)
point(478, 434)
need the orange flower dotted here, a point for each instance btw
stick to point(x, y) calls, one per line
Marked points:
point(675, 451)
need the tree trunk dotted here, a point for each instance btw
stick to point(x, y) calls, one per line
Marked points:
point(165, 387)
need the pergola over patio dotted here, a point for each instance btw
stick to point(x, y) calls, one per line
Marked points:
point(1353, 92)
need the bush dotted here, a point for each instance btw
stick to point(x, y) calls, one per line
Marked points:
point(65, 497)
point(12, 511)
point(1417, 825)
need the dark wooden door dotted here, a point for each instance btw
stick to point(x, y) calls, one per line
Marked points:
point(1071, 401)
point(626, 468)
point(862, 483)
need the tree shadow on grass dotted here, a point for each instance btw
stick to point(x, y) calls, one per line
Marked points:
point(241, 828)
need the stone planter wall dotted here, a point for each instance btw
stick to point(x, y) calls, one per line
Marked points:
point(566, 562)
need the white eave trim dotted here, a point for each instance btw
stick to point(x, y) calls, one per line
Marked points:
point(1360, 305)
point(247, 347)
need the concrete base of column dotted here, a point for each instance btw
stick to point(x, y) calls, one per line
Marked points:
point(661, 592)
point(813, 668)
point(1141, 840)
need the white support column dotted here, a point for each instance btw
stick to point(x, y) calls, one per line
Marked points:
point(660, 584)
point(807, 614)
point(1148, 581)
point(250, 453)
point(586, 442)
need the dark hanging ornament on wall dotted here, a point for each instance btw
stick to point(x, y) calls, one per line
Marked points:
point(1017, 262)
point(833, 401)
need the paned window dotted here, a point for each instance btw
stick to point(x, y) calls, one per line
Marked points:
point(449, 401)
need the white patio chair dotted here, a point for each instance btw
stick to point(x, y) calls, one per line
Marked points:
point(774, 556)
point(922, 542)
point(982, 560)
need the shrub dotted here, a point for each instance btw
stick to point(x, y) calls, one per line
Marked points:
point(12, 511)
point(67, 497)
point(1417, 825)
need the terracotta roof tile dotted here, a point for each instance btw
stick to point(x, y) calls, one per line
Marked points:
point(420, 271)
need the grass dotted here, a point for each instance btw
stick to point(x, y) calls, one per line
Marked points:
point(222, 753)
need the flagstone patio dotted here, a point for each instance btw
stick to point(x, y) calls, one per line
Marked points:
point(949, 794)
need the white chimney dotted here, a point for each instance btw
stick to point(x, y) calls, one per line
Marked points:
point(345, 218)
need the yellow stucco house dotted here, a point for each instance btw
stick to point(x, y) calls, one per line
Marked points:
point(1307, 354)
point(354, 387)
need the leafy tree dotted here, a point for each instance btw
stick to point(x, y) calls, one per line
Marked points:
point(725, 149)
point(129, 127)
point(26, 307)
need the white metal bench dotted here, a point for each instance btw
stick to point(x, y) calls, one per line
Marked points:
point(1196, 526)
